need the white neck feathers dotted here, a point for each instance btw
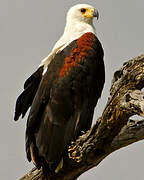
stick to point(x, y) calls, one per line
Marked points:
point(75, 27)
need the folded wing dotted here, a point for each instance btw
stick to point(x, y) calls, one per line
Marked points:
point(65, 100)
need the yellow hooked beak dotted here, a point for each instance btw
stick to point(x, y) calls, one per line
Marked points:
point(91, 13)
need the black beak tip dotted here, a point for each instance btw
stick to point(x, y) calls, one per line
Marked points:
point(96, 14)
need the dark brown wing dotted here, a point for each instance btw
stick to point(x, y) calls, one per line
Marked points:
point(65, 101)
point(25, 99)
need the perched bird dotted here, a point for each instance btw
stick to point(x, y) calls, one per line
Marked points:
point(64, 90)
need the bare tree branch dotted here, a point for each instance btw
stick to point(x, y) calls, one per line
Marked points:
point(130, 133)
point(113, 130)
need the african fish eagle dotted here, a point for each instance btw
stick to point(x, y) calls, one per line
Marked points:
point(64, 90)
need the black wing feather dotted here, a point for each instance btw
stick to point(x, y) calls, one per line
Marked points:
point(25, 99)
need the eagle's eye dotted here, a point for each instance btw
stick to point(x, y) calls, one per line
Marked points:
point(83, 10)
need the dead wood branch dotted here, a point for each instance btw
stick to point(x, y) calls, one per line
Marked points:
point(113, 130)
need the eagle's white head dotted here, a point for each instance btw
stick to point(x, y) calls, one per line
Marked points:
point(82, 13)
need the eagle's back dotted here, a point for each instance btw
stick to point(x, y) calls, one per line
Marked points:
point(64, 103)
